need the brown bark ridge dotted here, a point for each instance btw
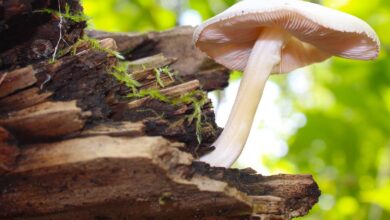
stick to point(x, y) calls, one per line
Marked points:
point(80, 140)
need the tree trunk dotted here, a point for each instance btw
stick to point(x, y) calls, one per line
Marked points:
point(75, 145)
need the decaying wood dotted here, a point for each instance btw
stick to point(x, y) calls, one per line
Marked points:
point(175, 43)
point(173, 91)
point(45, 121)
point(75, 145)
point(16, 80)
point(136, 178)
point(299, 192)
point(22, 100)
point(143, 71)
point(167, 120)
point(27, 35)
point(84, 77)
point(8, 151)
point(115, 129)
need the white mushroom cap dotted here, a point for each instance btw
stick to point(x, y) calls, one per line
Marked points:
point(313, 33)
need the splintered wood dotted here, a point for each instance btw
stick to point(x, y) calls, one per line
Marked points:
point(75, 145)
point(16, 80)
point(46, 120)
point(139, 178)
point(175, 43)
point(8, 152)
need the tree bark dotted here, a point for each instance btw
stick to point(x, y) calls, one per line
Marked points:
point(102, 177)
point(73, 145)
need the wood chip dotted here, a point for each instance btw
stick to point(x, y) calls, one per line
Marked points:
point(23, 99)
point(16, 80)
point(46, 120)
point(171, 91)
point(115, 129)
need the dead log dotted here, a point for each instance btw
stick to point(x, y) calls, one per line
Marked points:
point(85, 77)
point(139, 178)
point(79, 139)
point(192, 64)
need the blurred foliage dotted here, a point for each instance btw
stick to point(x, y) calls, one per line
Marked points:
point(345, 143)
point(129, 15)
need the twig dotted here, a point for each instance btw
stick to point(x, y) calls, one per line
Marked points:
point(67, 44)
point(3, 78)
point(60, 27)
point(48, 78)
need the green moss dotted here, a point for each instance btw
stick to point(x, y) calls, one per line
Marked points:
point(163, 70)
point(195, 98)
point(76, 17)
point(120, 73)
point(164, 198)
point(91, 43)
point(94, 44)
point(152, 93)
point(158, 77)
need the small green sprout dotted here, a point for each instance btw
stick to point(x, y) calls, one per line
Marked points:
point(163, 70)
point(197, 99)
point(94, 44)
point(152, 93)
point(120, 73)
point(168, 72)
point(158, 77)
point(164, 198)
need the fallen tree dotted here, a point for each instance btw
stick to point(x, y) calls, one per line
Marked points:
point(88, 133)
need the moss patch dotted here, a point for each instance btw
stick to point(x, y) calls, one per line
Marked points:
point(67, 14)
point(163, 70)
point(197, 99)
point(120, 72)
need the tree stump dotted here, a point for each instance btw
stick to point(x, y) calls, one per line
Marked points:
point(80, 140)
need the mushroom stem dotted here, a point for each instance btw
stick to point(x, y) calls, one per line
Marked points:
point(264, 56)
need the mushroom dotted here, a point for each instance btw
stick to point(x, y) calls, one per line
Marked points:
point(262, 37)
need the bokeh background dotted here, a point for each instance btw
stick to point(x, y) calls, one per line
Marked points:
point(331, 120)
